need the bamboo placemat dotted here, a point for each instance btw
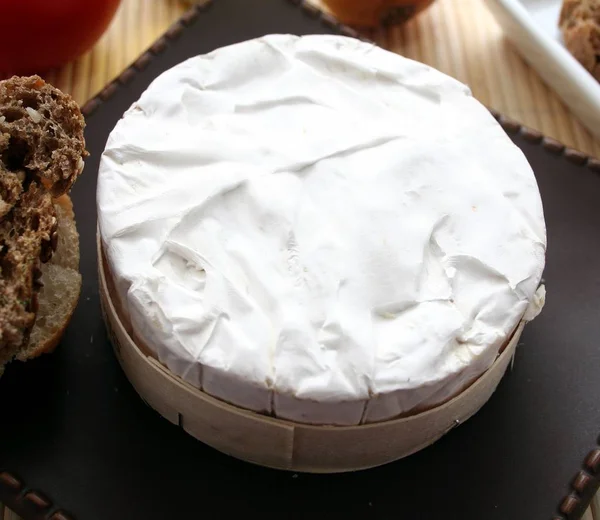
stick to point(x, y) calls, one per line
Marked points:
point(458, 37)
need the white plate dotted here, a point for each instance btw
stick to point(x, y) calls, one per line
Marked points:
point(532, 25)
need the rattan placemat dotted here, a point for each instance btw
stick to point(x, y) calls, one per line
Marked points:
point(459, 37)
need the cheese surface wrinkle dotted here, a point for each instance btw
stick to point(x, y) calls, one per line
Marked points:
point(319, 229)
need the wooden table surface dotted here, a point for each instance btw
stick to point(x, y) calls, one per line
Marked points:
point(458, 37)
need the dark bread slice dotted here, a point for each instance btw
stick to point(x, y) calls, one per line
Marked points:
point(26, 234)
point(45, 132)
point(59, 293)
point(41, 155)
point(61, 287)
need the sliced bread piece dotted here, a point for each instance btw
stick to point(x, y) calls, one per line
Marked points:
point(41, 155)
point(61, 287)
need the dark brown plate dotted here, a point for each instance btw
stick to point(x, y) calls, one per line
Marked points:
point(73, 427)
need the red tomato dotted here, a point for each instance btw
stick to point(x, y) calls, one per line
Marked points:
point(36, 35)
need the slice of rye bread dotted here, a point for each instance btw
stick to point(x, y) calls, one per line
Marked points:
point(59, 292)
point(41, 155)
point(61, 286)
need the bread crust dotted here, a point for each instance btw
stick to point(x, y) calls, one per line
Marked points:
point(579, 23)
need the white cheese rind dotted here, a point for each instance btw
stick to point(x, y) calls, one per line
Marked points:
point(318, 229)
